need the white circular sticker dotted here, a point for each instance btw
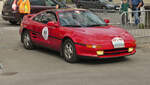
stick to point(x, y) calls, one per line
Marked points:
point(45, 33)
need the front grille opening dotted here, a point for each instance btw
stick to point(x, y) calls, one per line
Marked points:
point(116, 51)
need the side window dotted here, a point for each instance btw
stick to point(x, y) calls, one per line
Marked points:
point(37, 2)
point(45, 17)
point(38, 18)
point(48, 16)
point(50, 3)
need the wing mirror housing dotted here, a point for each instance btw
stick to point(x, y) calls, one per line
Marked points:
point(52, 23)
point(106, 21)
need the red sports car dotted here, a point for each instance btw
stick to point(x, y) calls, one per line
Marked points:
point(74, 33)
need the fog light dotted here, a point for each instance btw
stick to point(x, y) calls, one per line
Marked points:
point(100, 52)
point(130, 49)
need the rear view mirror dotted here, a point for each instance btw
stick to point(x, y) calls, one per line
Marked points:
point(106, 21)
point(52, 23)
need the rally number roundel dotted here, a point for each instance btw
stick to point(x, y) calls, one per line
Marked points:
point(45, 33)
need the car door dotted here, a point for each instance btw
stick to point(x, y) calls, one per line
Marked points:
point(39, 25)
point(45, 35)
point(54, 40)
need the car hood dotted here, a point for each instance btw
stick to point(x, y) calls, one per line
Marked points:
point(95, 35)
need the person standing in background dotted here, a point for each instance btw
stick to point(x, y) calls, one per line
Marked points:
point(124, 11)
point(24, 7)
point(135, 6)
point(124, 6)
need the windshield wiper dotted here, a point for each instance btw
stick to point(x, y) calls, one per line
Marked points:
point(94, 25)
point(72, 26)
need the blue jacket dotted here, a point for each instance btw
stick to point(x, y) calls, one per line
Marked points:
point(136, 2)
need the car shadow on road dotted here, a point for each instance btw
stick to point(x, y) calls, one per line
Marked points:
point(49, 52)
point(89, 61)
point(104, 61)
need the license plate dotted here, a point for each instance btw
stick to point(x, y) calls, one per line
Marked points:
point(118, 42)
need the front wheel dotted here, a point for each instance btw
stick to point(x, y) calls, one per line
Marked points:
point(27, 40)
point(69, 51)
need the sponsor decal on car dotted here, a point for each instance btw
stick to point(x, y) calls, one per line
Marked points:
point(45, 33)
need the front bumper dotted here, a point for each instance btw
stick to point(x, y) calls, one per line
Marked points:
point(108, 52)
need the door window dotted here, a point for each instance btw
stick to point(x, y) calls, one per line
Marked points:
point(45, 17)
point(38, 18)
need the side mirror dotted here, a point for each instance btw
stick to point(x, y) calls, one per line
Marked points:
point(52, 23)
point(106, 21)
point(29, 15)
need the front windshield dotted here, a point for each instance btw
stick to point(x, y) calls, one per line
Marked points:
point(80, 19)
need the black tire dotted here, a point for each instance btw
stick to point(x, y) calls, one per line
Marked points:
point(69, 51)
point(27, 42)
point(13, 22)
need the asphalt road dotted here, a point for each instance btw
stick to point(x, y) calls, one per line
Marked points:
point(46, 67)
